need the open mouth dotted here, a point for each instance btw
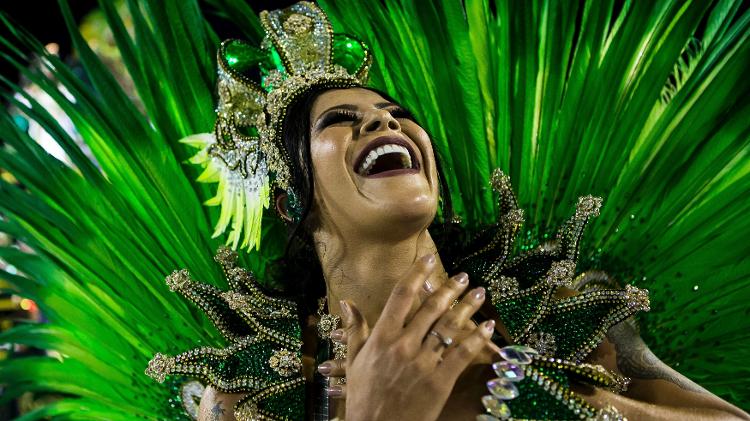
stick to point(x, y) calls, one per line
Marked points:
point(386, 155)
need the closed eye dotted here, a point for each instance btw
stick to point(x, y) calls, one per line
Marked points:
point(399, 112)
point(337, 117)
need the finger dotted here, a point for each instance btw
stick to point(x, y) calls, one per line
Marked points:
point(333, 368)
point(456, 359)
point(402, 297)
point(356, 329)
point(435, 306)
point(453, 322)
point(337, 391)
point(339, 335)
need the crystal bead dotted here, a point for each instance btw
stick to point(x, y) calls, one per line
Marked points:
point(348, 53)
point(502, 389)
point(496, 407)
point(513, 355)
point(508, 371)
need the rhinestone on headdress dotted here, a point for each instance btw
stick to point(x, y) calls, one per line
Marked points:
point(256, 85)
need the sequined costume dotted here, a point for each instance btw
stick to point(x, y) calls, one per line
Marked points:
point(264, 358)
point(640, 103)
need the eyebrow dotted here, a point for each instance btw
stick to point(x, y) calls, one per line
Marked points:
point(351, 107)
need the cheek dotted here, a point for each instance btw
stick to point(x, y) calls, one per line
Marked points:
point(329, 161)
point(422, 139)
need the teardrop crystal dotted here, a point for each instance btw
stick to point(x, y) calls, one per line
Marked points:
point(514, 355)
point(525, 349)
point(496, 407)
point(508, 371)
point(502, 389)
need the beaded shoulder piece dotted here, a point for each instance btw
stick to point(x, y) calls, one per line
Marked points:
point(557, 333)
point(263, 358)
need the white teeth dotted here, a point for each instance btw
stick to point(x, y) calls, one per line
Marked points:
point(364, 169)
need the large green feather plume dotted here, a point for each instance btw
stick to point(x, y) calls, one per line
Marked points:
point(642, 103)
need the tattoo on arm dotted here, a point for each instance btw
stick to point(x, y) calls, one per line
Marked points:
point(635, 359)
point(217, 412)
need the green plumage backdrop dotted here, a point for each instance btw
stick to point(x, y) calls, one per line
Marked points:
point(643, 103)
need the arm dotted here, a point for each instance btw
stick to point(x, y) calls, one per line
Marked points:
point(217, 406)
point(656, 391)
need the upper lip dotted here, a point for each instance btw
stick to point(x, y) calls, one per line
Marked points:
point(386, 140)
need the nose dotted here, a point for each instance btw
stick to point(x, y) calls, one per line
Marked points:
point(379, 120)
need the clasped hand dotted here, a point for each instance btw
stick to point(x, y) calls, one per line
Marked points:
point(405, 367)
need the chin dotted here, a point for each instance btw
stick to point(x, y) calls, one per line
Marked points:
point(406, 217)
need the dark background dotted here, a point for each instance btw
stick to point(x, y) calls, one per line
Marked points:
point(44, 19)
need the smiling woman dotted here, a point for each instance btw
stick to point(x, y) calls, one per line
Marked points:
point(392, 296)
point(355, 177)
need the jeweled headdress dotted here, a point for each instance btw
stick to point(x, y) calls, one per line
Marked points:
point(245, 154)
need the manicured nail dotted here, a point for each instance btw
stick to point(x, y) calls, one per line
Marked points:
point(347, 311)
point(335, 391)
point(478, 294)
point(325, 368)
point(462, 278)
point(428, 286)
point(489, 325)
point(337, 335)
point(428, 258)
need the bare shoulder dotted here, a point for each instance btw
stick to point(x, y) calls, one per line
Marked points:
point(652, 380)
point(217, 405)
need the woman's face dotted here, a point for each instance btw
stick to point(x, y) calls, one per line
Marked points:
point(373, 167)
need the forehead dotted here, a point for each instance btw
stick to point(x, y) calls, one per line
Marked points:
point(359, 97)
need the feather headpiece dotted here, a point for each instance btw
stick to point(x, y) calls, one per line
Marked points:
point(256, 85)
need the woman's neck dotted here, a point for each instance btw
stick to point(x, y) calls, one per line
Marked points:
point(365, 272)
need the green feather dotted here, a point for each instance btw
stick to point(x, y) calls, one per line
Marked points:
point(567, 98)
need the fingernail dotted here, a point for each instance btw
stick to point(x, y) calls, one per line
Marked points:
point(490, 325)
point(427, 286)
point(335, 391)
point(478, 294)
point(347, 311)
point(325, 368)
point(461, 278)
point(428, 258)
point(337, 335)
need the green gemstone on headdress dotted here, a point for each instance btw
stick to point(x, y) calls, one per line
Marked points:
point(348, 53)
point(241, 56)
point(244, 58)
point(274, 62)
point(249, 131)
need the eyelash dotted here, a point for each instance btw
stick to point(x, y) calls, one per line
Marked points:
point(402, 113)
point(338, 116)
point(341, 116)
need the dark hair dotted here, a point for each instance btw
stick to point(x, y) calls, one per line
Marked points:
point(300, 252)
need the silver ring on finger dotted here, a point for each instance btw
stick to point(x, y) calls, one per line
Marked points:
point(444, 340)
